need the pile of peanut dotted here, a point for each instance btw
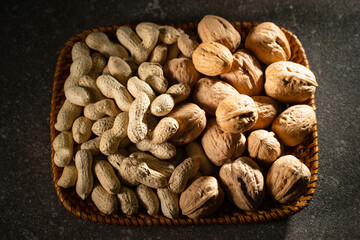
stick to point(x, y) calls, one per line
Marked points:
point(165, 120)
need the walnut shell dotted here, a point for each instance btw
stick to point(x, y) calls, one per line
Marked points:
point(212, 58)
point(263, 146)
point(201, 198)
point(289, 82)
point(293, 124)
point(243, 183)
point(268, 43)
point(267, 108)
point(181, 70)
point(216, 29)
point(209, 92)
point(246, 74)
point(236, 114)
point(287, 179)
point(192, 121)
point(219, 146)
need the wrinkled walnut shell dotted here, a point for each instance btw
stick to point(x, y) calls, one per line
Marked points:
point(181, 70)
point(243, 183)
point(267, 108)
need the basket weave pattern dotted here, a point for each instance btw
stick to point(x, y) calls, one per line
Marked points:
point(307, 152)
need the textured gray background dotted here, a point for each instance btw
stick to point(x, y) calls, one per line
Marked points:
point(32, 35)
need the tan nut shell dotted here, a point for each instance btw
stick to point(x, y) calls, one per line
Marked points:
point(169, 203)
point(81, 129)
point(246, 74)
point(236, 114)
point(212, 59)
point(263, 146)
point(148, 199)
point(268, 43)
point(287, 179)
point(289, 82)
point(128, 201)
point(216, 29)
point(202, 197)
point(187, 45)
point(267, 108)
point(292, 125)
point(104, 201)
point(243, 183)
point(181, 70)
point(192, 121)
point(209, 92)
point(220, 146)
point(106, 176)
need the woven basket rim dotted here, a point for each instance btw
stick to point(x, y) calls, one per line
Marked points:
point(141, 219)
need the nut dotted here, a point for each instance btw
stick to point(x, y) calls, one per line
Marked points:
point(68, 177)
point(150, 177)
point(268, 43)
point(201, 198)
point(164, 150)
point(95, 111)
point(169, 202)
point(90, 85)
point(119, 69)
point(92, 145)
point(148, 199)
point(164, 130)
point(135, 86)
point(106, 176)
point(243, 183)
point(98, 64)
point(78, 95)
point(104, 201)
point(267, 108)
point(153, 74)
point(85, 181)
point(182, 174)
point(181, 70)
point(212, 59)
point(128, 201)
point(216, 29)
point(103, 124)
point(246, 74)
point(236, 114)
point(162, 105)
point(168, 35)
point(263, 146)
point(195, 150)
point(63, 146)
point(187, 45)
point(66, 116)
point(209, 92)
point(294, 124)
point(287, 179)
point(81, 129)
point(289, 82)
point(220, 146)
point(192, 121)
point(179, 92)
point(159, 54)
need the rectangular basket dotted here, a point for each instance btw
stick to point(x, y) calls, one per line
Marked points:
point(307, 152)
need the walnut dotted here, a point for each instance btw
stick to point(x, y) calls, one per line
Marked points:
point(209, 92)
point(246, 74)
point(216, 29)
point(294, 124)
point(263, 146)
point(287, 179)
point(289, 82)
point(201, 198)
point(181, 70)
point(243, 183)
point(219, 146)
point(236, 114)
point(268, 43)
point(267, 108)
point(192, 121)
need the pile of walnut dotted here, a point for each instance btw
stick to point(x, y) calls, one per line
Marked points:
point(137, 110)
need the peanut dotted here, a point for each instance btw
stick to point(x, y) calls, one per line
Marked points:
point(194, 150)
point(66, 116)
point(153, 74)
point(137, 128)
point(63, 146)
point(179, 92)
point(187, 45)
point(164, 130)
point(119, 69)
point(173, 51)
point(104, 201)
point(162, 105)
point(83, 163)
point(95, 111)
point(111, 88)
point(78, 95)
point(128, 201)
point(150, 177)
point(101, 125)
point(135, 86)
point(182, 173)
point(110, 139)
point(90, 85)
point(148, 199)
point(101, 43)
point(169, 202)
point(81, 129)
point(106, 71)
point(127, 171)
point(98, 64)
point(107, 177)
point(159, 54)
point(162, 151)
point(68, 176)
point(92, 145)
point(168, 35)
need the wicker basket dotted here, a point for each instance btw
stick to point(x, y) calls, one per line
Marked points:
point(228, 213)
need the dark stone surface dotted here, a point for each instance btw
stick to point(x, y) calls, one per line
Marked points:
point(32, 35)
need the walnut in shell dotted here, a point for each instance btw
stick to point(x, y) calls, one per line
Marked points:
point(268, 43)
point(236, 114)
point(216, 29)
point(294, 124)
point(181, 70)
point(192, 121)
point(201, 198)
point(219, 146)
point(243, 183)
point(263, 146)
point(289, 82)
point(209, 92)
point(287, 179)
point(267, 108)
point(246, 74)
